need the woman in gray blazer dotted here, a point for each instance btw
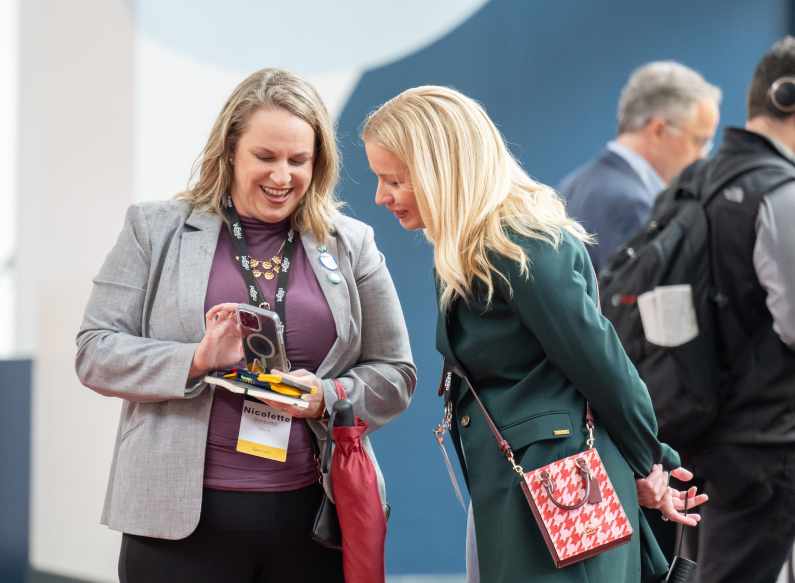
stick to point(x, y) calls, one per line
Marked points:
point(193, 507)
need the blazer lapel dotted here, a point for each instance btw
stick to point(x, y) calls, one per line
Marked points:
point(442, 337)
point(197, 250)
point(337, 295)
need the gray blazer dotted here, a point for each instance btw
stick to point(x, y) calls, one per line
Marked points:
point(144, 320)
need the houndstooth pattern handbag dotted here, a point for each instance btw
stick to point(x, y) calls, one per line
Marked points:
point(572, 499)
point(576, 507)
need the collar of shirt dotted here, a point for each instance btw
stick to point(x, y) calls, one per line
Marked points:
point(648, 175)
point(782, 149)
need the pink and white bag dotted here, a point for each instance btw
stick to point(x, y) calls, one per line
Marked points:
point(572, 499)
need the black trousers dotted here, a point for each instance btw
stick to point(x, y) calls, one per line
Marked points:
point(748, 526)
point(242, 537)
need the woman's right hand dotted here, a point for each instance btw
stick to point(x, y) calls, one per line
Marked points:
point(221, 346)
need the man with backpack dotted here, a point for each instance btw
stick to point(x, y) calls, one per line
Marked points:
point(724, 234)
point(667, 115)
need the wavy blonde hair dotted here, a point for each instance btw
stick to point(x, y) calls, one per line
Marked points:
point(213, 173)
point(470, 190)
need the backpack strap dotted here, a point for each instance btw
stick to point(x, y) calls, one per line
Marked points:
point(748, 167)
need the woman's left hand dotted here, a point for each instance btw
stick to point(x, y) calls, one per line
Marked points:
point(316, 400)
point(654, 492)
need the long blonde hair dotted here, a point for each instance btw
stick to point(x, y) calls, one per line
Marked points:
point(213, 173)
point(470, 190)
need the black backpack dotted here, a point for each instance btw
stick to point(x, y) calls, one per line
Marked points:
point(672, 249)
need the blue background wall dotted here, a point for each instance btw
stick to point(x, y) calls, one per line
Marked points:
point(549, 73)
point(15, 377)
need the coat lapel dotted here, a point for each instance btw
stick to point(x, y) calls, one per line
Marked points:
point(197, 250)
point(442, 337)
point(337, 295)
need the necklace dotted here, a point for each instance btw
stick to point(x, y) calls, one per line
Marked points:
point(267, 268)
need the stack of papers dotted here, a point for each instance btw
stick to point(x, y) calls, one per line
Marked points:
point(246, 389)
point(668, 315)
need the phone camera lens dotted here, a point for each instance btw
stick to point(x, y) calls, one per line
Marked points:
point(248, 320)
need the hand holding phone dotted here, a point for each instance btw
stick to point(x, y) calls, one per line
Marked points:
point(220, 347)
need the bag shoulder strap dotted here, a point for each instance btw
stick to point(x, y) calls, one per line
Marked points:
point(502, 443)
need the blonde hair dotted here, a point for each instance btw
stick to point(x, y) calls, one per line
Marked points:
point(470, 190)
point(213, 173)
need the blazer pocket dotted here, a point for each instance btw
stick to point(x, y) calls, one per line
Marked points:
point(539, 427)
point(129, 430)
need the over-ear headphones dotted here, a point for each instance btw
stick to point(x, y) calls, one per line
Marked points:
point(782, 94)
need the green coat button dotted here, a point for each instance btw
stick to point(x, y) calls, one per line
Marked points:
point(465, 421)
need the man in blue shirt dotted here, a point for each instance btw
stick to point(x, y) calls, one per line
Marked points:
point(667, 116)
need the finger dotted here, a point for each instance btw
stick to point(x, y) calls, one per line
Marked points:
point(310, 412)
point(689, 492)
point(693, 498)
point(682, 474)
point(283, 407)
point(669, 510)
point(686, 519)
point(681, 494)
point(693, 502)
point(221, 308)
point(313, 396)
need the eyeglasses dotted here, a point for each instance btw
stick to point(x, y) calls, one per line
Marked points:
point(702, 143)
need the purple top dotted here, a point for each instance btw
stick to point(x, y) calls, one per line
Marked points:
point(309, 335)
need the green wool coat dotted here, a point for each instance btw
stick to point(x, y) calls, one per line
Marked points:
point(535, 355)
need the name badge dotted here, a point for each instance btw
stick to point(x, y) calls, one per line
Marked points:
point(264, 431)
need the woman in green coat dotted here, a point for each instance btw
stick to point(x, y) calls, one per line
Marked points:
point(519, 315)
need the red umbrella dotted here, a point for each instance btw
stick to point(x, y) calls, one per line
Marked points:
point(359, 507)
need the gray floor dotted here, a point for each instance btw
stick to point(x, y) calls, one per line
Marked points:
point(41, 577)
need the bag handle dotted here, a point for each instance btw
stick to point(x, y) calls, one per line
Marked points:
point(582, 467)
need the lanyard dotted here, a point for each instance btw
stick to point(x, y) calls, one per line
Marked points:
point(255, 295)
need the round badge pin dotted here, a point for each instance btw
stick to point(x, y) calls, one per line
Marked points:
point(334, 277)
point(327, 260)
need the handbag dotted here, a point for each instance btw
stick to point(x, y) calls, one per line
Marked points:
point(326, 528)
point(572, 499)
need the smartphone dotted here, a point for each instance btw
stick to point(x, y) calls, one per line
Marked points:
point(263, 338)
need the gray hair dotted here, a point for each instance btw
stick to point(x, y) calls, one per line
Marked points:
point(664, 89)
